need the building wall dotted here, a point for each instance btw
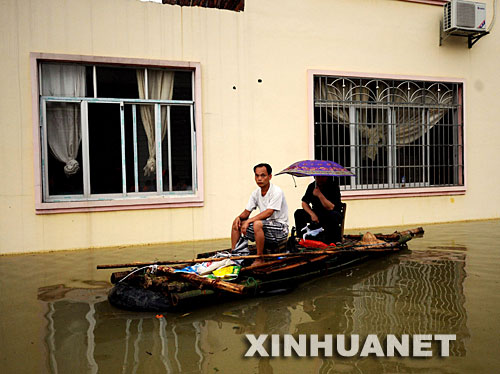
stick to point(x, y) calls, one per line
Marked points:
point(275, 41)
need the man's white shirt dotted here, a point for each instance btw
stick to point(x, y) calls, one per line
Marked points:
point(273, 199)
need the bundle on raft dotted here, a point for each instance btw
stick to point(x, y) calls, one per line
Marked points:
point(180, 284)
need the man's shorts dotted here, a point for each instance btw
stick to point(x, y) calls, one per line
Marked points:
point(274, 231)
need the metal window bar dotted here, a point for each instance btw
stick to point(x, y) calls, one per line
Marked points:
point(451, 147)
point(439, 152)
point(122, 146)
point(85, 150)
point(146, 84)
point(428, 149)
point(45, 145)
point(320, 131)
point(352, 142)
point(134, 134)
point(194, 165)
point(455, 150)
point(159, 174)
point(193, 149)
point(169, 142)
point(94, 80)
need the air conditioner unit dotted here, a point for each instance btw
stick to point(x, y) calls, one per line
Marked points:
point(464, 17)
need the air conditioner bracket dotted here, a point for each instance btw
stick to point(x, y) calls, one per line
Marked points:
point(472, 36)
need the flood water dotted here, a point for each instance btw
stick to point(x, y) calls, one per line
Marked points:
point(55, 317)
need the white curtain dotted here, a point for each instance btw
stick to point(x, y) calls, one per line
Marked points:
point(160, 87)
point(345, 92)
point(63, 119)
point(411, 121)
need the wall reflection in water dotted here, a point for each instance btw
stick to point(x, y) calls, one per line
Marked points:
point(420, 292)
point(86, 335)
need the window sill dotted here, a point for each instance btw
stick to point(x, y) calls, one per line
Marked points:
point(403, 192)
point(119, 204)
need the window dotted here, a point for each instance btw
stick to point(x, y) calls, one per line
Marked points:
point(117, 132)
point(393, 134)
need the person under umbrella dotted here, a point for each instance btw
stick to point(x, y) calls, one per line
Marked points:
point(321, 207)
point(321, 204)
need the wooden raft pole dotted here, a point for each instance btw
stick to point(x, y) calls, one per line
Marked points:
point(333, 250)
point(199, 260)
point(296, 265)
point(264, 265)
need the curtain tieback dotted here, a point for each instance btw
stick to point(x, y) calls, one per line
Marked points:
point(150, 167)
point(71, 167)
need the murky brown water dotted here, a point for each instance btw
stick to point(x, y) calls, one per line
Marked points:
point(55, 317)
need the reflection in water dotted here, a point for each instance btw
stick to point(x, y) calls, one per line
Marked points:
point(419, 292)
point(91, 336)
point(422, 294)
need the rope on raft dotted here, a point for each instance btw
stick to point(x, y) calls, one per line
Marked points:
point(250, 282)
point(154, 267)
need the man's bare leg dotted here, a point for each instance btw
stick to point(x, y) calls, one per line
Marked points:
point(235, 236)
point(259, 239)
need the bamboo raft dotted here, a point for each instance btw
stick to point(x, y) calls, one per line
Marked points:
point(157, 286)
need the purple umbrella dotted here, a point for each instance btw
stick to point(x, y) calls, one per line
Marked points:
point(309, 168)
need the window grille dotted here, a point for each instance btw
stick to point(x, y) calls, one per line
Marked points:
point(391, 133)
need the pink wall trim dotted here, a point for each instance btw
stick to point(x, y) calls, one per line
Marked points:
point(430, 2)
point(35, 117)
point(404, 192)
point(41, 207)
point(114, 205)
point(199, 130)
point(113, 60)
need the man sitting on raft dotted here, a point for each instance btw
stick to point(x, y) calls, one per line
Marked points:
point(271, 224)
point(321, 205)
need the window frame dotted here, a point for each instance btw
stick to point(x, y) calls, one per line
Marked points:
point(395, 192)
point(132, 200)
